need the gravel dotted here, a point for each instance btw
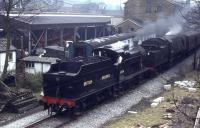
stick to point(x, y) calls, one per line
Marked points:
point(101, 114)
point(26, 120)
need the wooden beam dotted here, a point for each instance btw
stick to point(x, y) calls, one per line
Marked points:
point(61, 38)
point(29, 41)
point(86, 33)
point(46, 37)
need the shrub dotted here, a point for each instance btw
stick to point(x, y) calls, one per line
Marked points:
point(33, 82)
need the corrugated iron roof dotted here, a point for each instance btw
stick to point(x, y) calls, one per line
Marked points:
point(42, 19)
point(47, 21)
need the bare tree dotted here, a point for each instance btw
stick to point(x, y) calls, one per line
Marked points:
point(7, 6)
point(17, 7)
point(193, 16)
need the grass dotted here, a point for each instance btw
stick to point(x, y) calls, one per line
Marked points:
point(151, 116)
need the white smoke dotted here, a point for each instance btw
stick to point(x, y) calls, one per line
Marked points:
point(175, 29)
point(170, 25)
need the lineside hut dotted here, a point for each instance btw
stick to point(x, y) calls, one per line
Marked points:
point(11, 57)
point(36, 64)
point(41, 30)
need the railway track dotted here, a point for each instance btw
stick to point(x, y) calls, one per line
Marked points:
point(39, 121)
point(36, 123)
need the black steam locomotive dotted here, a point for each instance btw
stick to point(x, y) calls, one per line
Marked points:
point(81, 82)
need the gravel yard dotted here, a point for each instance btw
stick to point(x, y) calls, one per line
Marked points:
point(102, 113)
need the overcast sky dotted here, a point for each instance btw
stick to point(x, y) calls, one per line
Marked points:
point(111, 4)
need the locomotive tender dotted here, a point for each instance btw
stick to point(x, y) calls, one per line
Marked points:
point(85, 81)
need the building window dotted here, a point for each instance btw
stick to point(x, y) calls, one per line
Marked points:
point(119, 30)
point(159, 6)
point(10, 56)
point(30, 64)
point(148, 6)
point(132, 29)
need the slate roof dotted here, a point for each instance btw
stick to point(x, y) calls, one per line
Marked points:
point(67, 19)
point(40, 21)
point(3, 46)
point(40, 59)
point(131, 20)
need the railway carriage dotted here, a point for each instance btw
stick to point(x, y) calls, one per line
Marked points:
point(157, 52)
point(178, 47)
point(192, 39)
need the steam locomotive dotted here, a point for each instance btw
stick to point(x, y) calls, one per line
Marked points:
point(81, 82)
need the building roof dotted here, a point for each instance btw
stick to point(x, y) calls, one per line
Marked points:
point(132, 21)
point(57, 48)
point(40, 59)
point(65, 19)
point(40, 21)
point(175, 2)
point(3, 43)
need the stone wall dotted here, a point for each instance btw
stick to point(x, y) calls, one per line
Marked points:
point(148, 10)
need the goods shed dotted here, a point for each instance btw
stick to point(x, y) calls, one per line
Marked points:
point(41, 30)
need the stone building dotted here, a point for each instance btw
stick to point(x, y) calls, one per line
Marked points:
point(149, 10)
point(128, 25)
